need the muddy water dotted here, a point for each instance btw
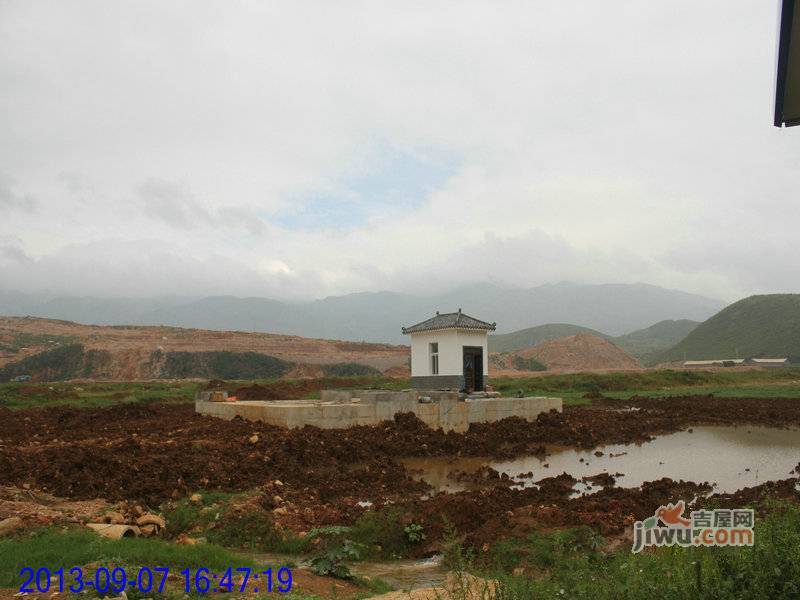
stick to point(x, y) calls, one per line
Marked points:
point(404, 574)
point(728, 457)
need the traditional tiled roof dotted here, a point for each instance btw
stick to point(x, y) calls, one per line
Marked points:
point(456, 320)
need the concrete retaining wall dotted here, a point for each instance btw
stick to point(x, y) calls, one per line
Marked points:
point(339, 409)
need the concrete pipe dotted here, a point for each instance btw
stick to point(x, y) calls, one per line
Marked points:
point(115, 532)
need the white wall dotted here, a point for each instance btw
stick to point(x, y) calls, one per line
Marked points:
point(451, 354)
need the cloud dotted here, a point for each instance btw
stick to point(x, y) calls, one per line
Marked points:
point(13, 201)
point(171, 204)
point(309, 150)
point(12, 252)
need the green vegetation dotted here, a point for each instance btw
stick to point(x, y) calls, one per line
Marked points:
point(758, 326)
point(528, 364)
point(647, 344)
point(91, 395)
point(95, 361)
point(57, 548)
point(62, 362)
point(571, 564)
point(350, 370)
point(337, 549)
point(383, 534)
point(230, 520)
point(667, 382)
point(223, 365)
point(572, 387)
point(525, 338)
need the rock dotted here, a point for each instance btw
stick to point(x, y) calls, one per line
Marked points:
point(185, 540)
point(196, 498)
point(151, 519)
point(281, 510)
point(10, 524)
point(149, 529)
point(278, 482)
point(114, 517)
point(519, 572)
point(254, 438)
point(277, 499)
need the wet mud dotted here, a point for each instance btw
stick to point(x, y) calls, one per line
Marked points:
point(152, 452)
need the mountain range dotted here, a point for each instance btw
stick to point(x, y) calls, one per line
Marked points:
point(614, 309)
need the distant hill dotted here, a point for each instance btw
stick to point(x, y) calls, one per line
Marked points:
point(614, 309)
point(525, 338)
point(580, 352)
point(49, 350)
point(765, 326)
point(648, 343)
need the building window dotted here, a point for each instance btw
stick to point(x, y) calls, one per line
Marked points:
point(434, 350)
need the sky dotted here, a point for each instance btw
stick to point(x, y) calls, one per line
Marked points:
point(298, 149)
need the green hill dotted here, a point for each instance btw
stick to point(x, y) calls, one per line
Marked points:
point(648, 343)
point(525, 338)
point(758, 327)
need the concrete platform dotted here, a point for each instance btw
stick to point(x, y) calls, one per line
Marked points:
point(339, 409)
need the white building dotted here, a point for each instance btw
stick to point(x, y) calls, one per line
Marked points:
point(450, 351)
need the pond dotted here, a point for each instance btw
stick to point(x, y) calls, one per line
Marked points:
point(730, 458)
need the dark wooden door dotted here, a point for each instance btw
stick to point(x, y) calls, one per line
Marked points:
point(473, 368)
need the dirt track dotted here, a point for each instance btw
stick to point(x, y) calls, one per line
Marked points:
point(152, 452)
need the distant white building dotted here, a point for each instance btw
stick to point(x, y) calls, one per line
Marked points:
point(450, 351)
point(720, 362)
point(767, 363)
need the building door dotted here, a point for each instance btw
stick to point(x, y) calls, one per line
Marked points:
point(473, 368)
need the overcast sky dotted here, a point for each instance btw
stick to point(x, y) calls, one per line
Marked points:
point(299, 149)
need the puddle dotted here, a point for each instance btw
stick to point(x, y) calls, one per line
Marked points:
point(404, 574)
point(728, 457)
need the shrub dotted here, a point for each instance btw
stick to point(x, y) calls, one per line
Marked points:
point(336, 549)
point(59, 363)
point(223, 365)
point(350, 370)
point(528, 364)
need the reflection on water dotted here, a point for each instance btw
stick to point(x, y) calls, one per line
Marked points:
point(728, 457)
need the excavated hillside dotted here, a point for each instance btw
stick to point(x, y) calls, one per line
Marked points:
point(51, 349)
point(581, 352)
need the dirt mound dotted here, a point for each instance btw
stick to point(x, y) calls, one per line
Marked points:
point(153, 452)
point(580, 352)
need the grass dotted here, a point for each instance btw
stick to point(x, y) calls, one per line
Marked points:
point(93, 395)
point(571, 564)
point(572, 387)
point(56, 548)
point(230, 520)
